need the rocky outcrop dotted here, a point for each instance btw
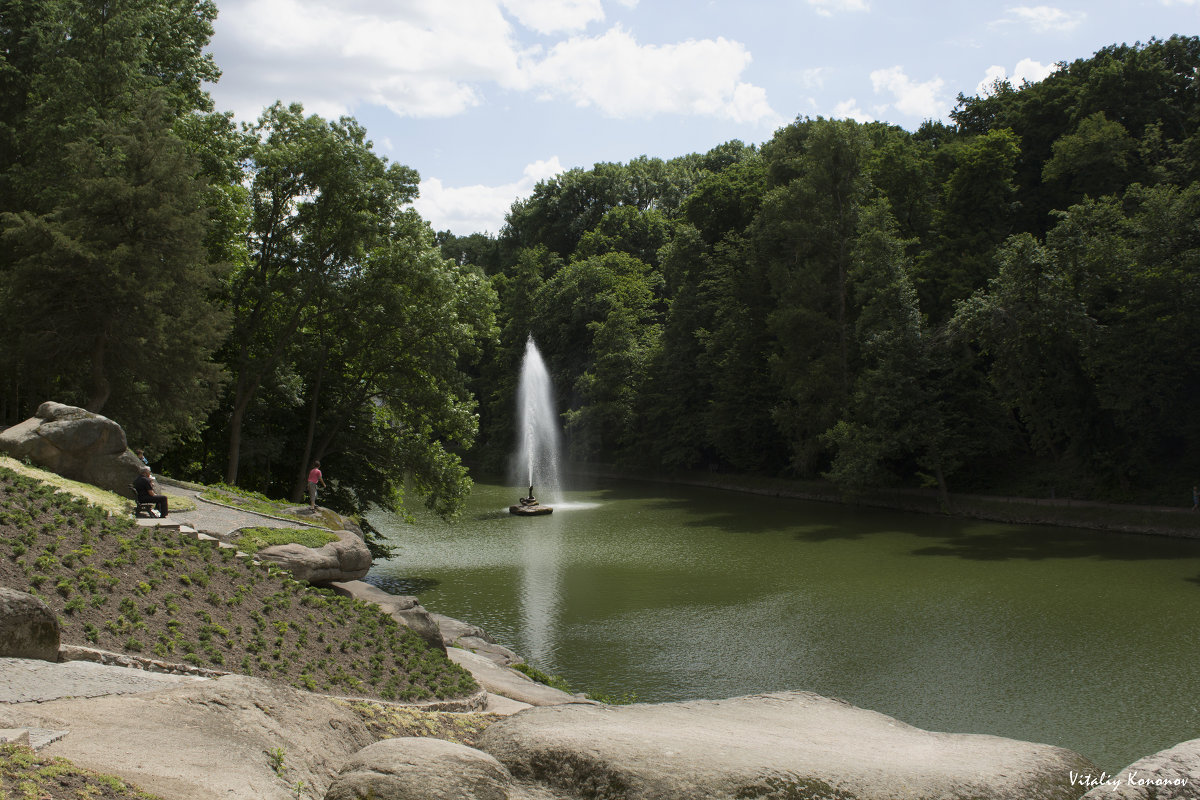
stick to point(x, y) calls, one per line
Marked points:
point(76, 444)
point(405, 609)
point(347, 559)
point(28, 628)
point(785, 745)
point(475, 639)
point(231, 737)
point(509, 683)
point(411, 768)
point(1172, 774)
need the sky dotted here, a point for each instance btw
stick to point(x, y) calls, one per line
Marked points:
point(484, 98)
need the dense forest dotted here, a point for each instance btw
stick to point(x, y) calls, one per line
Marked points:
point(1002, 304)
point(999, 304)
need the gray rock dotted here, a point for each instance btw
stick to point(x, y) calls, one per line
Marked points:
point(1172, 774)
point(76, 444)
point(474, 638)
point(347, 559)
point(508, 682)
point(411, 768)
point(405, 609)
point(28, 628)
point(786, 745)
point(230, 737)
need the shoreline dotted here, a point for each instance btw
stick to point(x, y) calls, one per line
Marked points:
point(1065, 512)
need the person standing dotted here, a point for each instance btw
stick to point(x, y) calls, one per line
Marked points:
point(314, 478)
point(1196, 498)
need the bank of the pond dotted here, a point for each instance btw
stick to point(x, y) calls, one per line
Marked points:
point(1060, 512)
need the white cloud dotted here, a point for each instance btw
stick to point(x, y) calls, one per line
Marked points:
point(553, 16)
point(424, 62)
point(1026, 70)
point(848, 109)
point(429, 58)
point(1042, 18)
point(470, 209)
point(622, 78)
point(921, 100)
point(814, 77)
point(826, 8)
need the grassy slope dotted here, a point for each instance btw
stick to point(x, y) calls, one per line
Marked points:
point(156, 593)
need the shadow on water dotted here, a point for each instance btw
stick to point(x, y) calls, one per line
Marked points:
point(402, 586)
point(957, 537)
point(1038, 543)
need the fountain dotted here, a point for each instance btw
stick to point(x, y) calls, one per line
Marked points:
point(536, 458)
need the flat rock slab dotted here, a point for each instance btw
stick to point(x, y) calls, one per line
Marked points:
point(231, 737)
point(24, 680)
point(785, 745)
point(509, 683)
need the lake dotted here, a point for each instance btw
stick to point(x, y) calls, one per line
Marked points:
point(1075, 638)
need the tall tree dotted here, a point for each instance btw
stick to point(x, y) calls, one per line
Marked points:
point(321, 200)
point(104, 201)
point(803, 236)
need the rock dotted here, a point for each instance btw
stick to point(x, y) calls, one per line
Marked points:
point(474, 638)
point(231, 737)
point(347, 559)
point(76, 444)
point(785, 745)
point(410, 768)
point(405, 609)
point(510, 683)
point(1172, 774)
point(28, 628)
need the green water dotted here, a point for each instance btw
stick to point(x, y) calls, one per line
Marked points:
point(1074, 638)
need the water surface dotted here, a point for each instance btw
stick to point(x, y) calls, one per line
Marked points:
point(1074, 638)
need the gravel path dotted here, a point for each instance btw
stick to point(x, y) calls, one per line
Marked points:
point(217, 520)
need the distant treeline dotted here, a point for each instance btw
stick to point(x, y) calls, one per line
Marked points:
point(1008, 302)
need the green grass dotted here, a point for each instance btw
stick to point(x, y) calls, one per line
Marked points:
point(25, 775)
point(251, 540)
point(110, 501)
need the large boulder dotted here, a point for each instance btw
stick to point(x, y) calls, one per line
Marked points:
point(347, 559)
point(1172, 774)
point(76, 444)
point(28, 628)
point(230, 737)
point(785, 745)
point(410, 768)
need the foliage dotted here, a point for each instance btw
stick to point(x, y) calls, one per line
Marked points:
point(957, 305)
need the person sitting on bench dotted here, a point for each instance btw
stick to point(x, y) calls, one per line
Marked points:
point(144, 487)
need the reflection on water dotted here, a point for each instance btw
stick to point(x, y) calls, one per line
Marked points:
point(1073, 638)
point(541, 573)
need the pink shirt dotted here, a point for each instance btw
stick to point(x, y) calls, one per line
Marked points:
point(314, 476)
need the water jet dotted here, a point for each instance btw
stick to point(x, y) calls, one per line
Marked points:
point(537, 453)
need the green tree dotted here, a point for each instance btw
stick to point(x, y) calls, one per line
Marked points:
point(94, 178)
point(804, 236)
point(321, 201)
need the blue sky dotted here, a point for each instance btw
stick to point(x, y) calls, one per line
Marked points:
point(486, 97)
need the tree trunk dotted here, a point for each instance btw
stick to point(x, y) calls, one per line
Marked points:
point(101, 388)
point(302, 473)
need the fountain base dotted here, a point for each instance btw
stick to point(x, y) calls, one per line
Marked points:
point(532, 510)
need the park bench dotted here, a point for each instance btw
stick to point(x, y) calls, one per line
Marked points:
point(140, 508)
